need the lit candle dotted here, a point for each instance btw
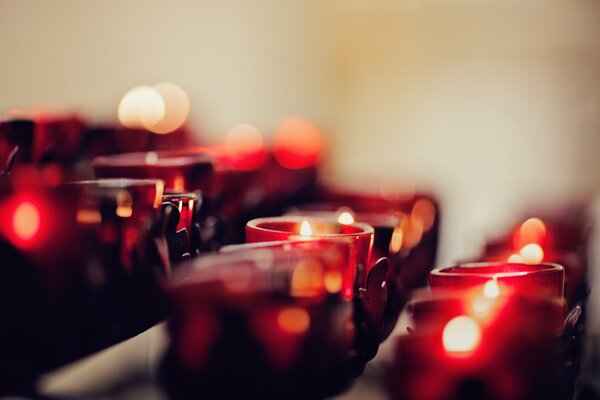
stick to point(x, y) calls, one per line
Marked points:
point(539, 279)
point(360, 236)
point(505, 350)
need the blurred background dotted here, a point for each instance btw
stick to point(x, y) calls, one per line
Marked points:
point(493, 106)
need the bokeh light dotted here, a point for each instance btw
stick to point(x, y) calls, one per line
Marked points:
point(141, 107)
point(176, 108)
point(245, 148)
point(26, 221)
point(461, 336)
point(297, 143)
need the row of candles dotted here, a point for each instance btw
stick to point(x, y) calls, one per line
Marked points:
point(303, 304)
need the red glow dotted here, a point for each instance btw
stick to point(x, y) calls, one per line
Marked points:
point(26, 221)
point(297, 143)
point(245, 148)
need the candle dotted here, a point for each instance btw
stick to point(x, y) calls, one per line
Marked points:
point(180, 170)
point(504, 348)
point(539, 279)
point(360, 236)
point(269, 313)
point(383, 224)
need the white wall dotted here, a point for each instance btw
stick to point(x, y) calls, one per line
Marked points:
point(492, 104)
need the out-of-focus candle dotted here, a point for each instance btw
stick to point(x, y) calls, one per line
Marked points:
point(456, 351)
point(360, 236)
point(538, 279)
point(180, 170)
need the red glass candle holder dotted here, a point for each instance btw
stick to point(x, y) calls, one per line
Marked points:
point(78, 268)
point(181, 171)
point(382, 223)
point(506, 347)
point(263, 323)
point(360, 236)
point(539, 279)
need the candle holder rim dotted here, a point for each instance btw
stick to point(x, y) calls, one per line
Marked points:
point(165, 158)
point(241, 247)
point(116, 182)
point(546, 267)
point(366, 228)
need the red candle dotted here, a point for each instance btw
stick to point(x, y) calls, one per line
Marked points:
point(383, 224)
point(265, 312)
point(539, 279)
point(360, 237)
point(502, 348)
point(180, 170)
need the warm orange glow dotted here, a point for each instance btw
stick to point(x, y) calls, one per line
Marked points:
point(532, 253)
point(26, 221)
point(531, 231)
point(396, 241)
point(297, 143)
point(305, 229)
point(176, 108)
point(88, 216)
point(293, 320)
point(245, 146)
point(333, 281)
point(491, 289)
point(461, 336)
point(307, 278)
point(124, 204)
point(423, 214)
point(141, 107)
point(346, 218)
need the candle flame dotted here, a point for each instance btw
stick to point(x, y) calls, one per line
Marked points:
point(532, 253)
point(305, 229)
point(461, 336)
point(346, 218)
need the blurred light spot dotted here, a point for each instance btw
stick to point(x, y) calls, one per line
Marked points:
point(151, 158)
point(396, 241)
point(124, 204)
point(141, 107)
point(191, 205)
point(346, 218)
point(532, 230)
point(88, 216)
point(482, 305)
point(297, 143)
point(293, 320)
point(491, 289)
point(179, 183)
point(333, 281)
point(26, 221)
point(532, 253)
point(305, 229)
point(176, 108)
point(423, 213)
point(307, 278)
point(245, 147)
point(461, 336)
